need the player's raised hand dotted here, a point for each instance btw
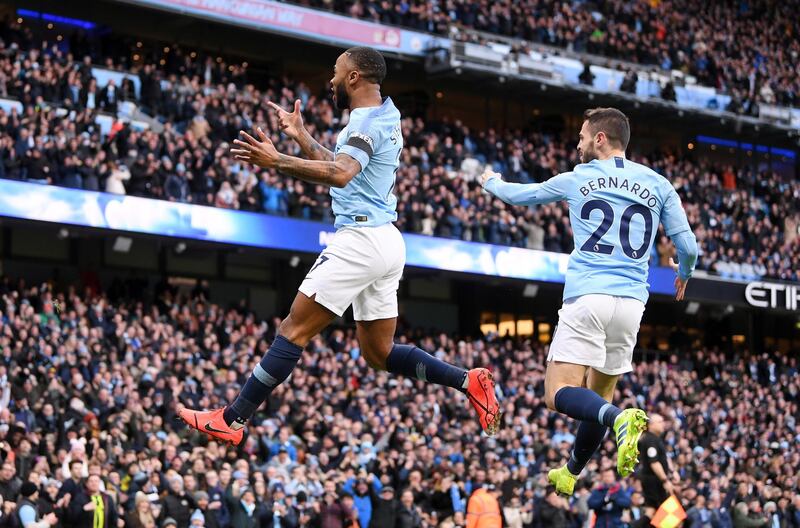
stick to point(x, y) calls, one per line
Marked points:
point(680, 284)
point(290, 123)
point(488, 174)
point(262, 153)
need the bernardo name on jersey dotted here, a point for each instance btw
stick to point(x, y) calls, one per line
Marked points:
point(612, 182)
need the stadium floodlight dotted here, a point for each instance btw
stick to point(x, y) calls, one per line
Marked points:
point(294, 261)
point(692, 308)
point(180, 247)
point(122, 244)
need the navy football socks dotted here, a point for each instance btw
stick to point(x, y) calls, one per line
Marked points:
point(276, 365)
point(588, 439)
point(408, 360)
point(586, 405)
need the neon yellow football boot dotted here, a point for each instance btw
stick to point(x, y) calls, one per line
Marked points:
point(628, 428)
point(563, 480)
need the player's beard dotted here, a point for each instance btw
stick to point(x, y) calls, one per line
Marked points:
point(588, 155)
point(342, 98)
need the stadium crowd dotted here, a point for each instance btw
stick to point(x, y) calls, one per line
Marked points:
point(89, 379)
point(746, 49)
point(746, 220)
point(89, 382)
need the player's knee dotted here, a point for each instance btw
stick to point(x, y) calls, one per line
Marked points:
point(550, 400)
point(374, 360)
point(375, 356)
point(374, 363)
point(550, 395)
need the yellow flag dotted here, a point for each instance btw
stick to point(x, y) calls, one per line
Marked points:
point(670, 514)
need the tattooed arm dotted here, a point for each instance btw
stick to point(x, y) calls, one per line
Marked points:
point(291, 124)
point(311, 148)
point(335, 173)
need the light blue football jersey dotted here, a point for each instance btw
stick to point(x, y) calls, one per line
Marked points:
point(373, 138)
point(615, 206)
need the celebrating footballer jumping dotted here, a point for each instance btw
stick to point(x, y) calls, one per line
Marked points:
point(362, 266)
point(615, 207)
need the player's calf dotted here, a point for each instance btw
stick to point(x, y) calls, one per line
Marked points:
point(376, 339)
point(408, 360)
point(584, 404)
point(273, 369)
point(587, 440)
point(477, 384)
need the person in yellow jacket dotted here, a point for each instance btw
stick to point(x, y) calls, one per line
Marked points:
point(483, 508)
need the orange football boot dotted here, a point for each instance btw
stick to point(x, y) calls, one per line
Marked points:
point(480, 392)
point(212, 424)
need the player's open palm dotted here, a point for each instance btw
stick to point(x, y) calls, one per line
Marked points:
point(680, 284)
point(261, 151)
point(488, 174)
point(291, 123)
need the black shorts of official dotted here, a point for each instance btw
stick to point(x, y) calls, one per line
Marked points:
point(653, 492)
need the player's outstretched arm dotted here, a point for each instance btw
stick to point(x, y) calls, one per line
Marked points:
point(686, 245)
point(552, 190)
point(676, 225)
point(334, 173)
point(291, 124)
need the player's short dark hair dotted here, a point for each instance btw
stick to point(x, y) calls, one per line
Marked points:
point(612, 122)
point(369, 62)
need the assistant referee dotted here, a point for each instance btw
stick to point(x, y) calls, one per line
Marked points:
point(658, 481)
